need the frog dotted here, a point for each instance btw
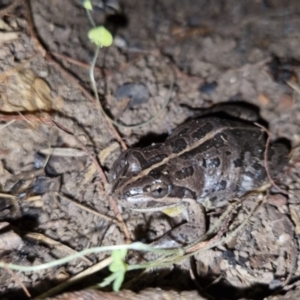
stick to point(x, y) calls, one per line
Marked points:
point(206, 162)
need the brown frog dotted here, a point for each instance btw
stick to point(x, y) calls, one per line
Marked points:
point(205, 162)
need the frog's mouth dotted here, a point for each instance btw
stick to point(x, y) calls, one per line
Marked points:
point(171, 210)
point(144, 203)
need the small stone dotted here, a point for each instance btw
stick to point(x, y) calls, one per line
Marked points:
point(263, 99)
point(137, 93)
point(277, 200)
point(208, 87)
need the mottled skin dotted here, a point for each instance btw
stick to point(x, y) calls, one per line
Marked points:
point(206, 161)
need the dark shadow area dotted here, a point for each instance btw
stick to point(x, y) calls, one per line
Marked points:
point(116, 21)
point(232, 110)
point(151, 138)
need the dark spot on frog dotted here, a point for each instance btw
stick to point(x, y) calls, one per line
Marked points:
point(211, 163)
point(157, 158)
point(182, 192)
point(238, 163)
point(260, 172)
point(202, 131)
point(213, 199)
point(178, 145)
point(221, 186)
point(156, 173)
point(183, 131)
point(184, 173)
point(228, 153)
point(230, 257)
point(214, 162)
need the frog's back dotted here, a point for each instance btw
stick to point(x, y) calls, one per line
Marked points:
point(226, 158)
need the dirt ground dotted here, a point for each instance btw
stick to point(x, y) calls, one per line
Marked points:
point(194, 53)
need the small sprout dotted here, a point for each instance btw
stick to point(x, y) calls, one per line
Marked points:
point(100, 36)
point(87, 5)
point(118, 268)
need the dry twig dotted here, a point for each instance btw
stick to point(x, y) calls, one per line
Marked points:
point(18, 280)
point(266, 159)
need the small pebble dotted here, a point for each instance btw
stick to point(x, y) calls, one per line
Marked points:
point(263, 100)
point(137, 93)
point(277, 200)
point(39, 161)
point(208, 87)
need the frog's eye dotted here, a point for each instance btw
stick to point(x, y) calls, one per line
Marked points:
point(159, 190)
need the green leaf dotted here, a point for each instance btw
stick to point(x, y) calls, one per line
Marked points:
point(118, 281)
point(109, 279)
point(118, 264)
point(87, 5)
point(119, 254)
point(100, 36)
point(118, 268)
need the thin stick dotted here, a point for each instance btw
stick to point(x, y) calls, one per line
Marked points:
point(18, 280)
point(266, 159)
point(294, 86)
point(7, 124)
point(88, 209)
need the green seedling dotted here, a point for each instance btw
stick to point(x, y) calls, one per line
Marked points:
point(87, 5)
point(100, 36)
point(118, 268)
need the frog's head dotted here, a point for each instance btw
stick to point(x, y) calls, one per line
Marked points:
point(140, 183)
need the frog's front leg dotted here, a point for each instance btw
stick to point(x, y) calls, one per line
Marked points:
point(186, 233)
